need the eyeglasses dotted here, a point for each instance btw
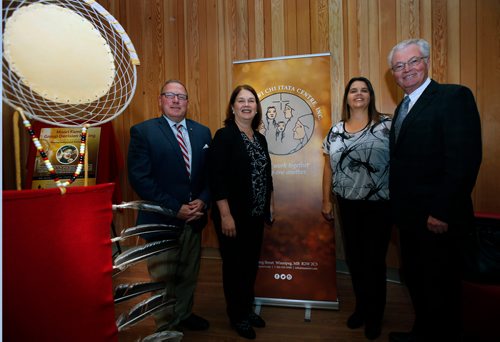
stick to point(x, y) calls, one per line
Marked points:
point(171, 96)
point(413, 62)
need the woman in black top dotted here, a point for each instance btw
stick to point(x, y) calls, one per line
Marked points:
point(241, 185)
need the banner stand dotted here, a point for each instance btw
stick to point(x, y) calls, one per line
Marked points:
point(297, 266)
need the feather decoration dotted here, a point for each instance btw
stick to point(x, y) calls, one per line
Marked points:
point(125, 292)
point(144, 309)
point(170, 336)
point(136, 254)
point(145, 206)
point(165, 231)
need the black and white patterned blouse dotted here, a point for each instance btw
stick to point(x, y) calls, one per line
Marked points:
point(258, 163)
point(360, 161)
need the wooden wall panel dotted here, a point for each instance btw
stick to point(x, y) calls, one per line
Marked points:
point(290, 27)
point(172, 52)
point(258, 25)
point(318, 14)
point(425, 19)
point(196, 41)
point(241, 25)
point(363, 39)
point(453, 48)
point(224, 70)
point(303, 27)
point(374, 46)
point(409, 18)
point(278, 28)
point(252, 32)
point(216, 59)
point(389, 33)
point(193, 72)
point(268, 41)
point(488, 74)
point(439, 41)
point(468, 37)
point(351, 63)
point(338, 51)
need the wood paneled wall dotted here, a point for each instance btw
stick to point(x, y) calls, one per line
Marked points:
point(197, 40)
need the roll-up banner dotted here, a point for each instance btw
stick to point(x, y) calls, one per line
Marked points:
point(297, 264)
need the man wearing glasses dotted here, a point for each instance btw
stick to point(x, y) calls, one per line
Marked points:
point(167, 165)
point(435, 148)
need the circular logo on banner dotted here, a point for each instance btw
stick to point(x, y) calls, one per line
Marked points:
point(287, 123)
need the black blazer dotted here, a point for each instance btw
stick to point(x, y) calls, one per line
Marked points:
point(230, 172)
point(157, 171)
point(435, 160)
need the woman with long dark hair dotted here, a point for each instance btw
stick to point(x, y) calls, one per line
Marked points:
point(356, 176)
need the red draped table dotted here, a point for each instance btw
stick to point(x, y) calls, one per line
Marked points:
point(57, 265)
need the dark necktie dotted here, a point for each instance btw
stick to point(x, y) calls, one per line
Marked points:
point(184, 149)
point(403, 111)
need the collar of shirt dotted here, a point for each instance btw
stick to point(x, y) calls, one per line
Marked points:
point(416, 94)
point(173, 124)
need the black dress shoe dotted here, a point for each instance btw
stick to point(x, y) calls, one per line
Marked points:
point(372, 331)
point(398, 336)
point(256, 321)
point(194, 322)
point(355, 321)
point(244, 329)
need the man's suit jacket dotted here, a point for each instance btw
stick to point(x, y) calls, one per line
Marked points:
point(157, 171)
point(436, 158)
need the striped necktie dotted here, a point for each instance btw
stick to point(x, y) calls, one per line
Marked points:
point(184, 149)
point(403, 111)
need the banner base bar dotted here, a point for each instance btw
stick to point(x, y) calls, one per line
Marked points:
point(307, 304)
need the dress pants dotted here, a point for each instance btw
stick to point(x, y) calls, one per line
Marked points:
point(431, 269)
point(366, 230)
point(179, 269)
point(240, 262)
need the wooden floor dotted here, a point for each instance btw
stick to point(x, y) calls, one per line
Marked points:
point(283, 324)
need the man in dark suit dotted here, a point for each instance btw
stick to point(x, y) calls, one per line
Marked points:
point(435, 149)
point(167, 165)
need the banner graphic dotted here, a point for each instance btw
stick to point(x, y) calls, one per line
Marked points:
point(297, 265)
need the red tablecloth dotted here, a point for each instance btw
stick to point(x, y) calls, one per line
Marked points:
point(57, 265)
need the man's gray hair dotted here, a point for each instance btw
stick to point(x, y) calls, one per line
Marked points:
point(424, 46)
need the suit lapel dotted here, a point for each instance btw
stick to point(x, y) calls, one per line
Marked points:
point(392, 133)
point(422, 102)
point(193, 138)
point(171, 139)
